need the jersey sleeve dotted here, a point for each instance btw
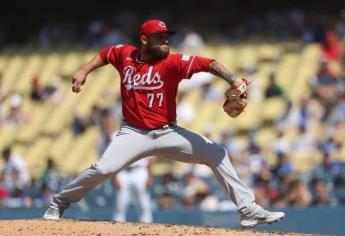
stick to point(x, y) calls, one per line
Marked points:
point(111, 54)
point(187, 65)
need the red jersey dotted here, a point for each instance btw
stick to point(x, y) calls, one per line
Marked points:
point(149, 89)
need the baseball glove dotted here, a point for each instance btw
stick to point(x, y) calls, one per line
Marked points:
point(236, 99)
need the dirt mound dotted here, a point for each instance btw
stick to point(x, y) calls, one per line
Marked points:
point(104, 228)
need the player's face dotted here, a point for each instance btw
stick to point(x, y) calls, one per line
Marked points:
point(158, 45)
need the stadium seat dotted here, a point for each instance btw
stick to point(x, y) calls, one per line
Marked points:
point(30, 131)
point(79, 151)
point(304, 162)
point(10, 75)
point(62, 144)
point(50, 68)
point(273, 108)
point(30, 69)
point(36, 156)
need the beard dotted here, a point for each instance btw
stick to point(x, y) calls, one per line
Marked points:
point(156, 53)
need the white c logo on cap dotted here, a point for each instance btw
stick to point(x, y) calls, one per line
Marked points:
point(161, 24)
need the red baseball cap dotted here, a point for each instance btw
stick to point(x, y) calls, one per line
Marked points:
point(154, 26)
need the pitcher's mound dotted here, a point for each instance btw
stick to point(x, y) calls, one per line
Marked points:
point(71, 227)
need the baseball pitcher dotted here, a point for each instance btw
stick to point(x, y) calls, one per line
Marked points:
point(150, 76)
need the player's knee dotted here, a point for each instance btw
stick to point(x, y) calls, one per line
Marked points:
point(218, 155)
point(103, 170)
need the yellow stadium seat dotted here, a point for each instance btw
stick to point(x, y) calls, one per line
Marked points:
point(303, 161)
point(268, 52)
point(83, 145)
point(250, 118)
point(36, 155)
point(62, 144)
point(71, 62)
point(8, 134)
point(51, 67)
point(228, 57)
point(4, 59)
point(31, 130)
point(265, 136)
point(273, 108)
point(30, 69)
point(10, 75)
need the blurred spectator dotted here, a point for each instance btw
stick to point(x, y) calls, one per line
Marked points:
point(14, 172)
point(53, 92)
point(16, 115)
point(229, 142)
point(329, 168)
point(19, 198)
point(79, 124)
point(37, 92)
point(166, 201)
point(254, 88)
point(168, 191)
point(250, 163)
point(340, 25)
point(137, 176)
point(324, 75)
point(44, 36)
point(109, 124)
point(50, 178)
point(313, 30)
point(185, 110)
point(322, 192)
point(192, 43)
point(323, 84)
point(303, 142)
point(210, 93)
point(4, 193)
point(297, 115)
point(304, 115)
point(337, 112)
point(208, 201)
point(298, 194)
point(290, 118)
point(281, 144)
point(96, 116)
point(195, 189)
point(111, 36)
point(256, 161)
point(329, 145)
point(273, 89)
point(265, 192)
point(283, 167)
point(95, 30)
point(331, 47)
point(43, 197)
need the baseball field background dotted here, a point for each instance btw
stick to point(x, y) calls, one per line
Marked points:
point(288, 145)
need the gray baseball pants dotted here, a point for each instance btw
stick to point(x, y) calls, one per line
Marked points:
point(171, 141)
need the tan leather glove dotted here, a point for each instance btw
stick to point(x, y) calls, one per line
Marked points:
point(236, 99)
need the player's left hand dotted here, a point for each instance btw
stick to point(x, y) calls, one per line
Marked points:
point(236, 99)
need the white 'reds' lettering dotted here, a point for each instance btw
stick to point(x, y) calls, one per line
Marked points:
point(151, 97)
point(145, 81)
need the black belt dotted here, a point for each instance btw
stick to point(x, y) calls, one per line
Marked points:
point(167, 126)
